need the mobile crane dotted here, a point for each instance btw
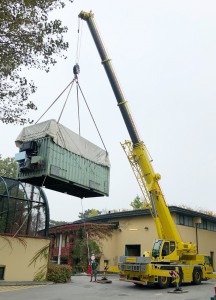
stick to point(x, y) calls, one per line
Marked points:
point(169, 253)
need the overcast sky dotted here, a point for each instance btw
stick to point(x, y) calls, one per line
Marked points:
point(164, 55)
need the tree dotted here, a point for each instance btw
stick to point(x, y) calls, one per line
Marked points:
point(137, 203)
point(8, 167)
point(28, 38)
point(53, 223)
point(88, 240)
point(89, 213)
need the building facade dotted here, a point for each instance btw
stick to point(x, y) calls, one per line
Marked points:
point(135, 233)
point(24, 212)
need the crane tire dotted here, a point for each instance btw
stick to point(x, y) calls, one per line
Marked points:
point(163, 282)
point(197, 276)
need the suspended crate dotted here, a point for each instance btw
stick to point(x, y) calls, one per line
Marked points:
point(55, 157)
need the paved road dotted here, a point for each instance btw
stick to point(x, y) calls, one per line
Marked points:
point(81, 289)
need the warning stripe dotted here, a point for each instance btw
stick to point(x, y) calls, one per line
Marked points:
point(174, 274)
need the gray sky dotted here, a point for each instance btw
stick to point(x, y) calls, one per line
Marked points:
point(164, 55)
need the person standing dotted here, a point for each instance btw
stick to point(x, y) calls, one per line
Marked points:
point(94, 266)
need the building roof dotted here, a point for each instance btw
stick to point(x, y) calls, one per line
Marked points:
point(110, 217)
point(68, 228)
point(115, 216)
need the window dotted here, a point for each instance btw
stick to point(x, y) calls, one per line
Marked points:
point(2, 271)
point(165, 250)
point(184, 220)
point(181, 220)
point(204, 224)
point(56, 241)
point(188, 221)
point(64, 241)
point(172, 246)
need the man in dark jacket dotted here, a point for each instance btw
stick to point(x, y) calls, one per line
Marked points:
point(94, 266)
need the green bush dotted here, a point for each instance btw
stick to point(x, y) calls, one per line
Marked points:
point(59, 273)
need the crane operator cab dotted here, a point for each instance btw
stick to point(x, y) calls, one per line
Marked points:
point(164, 249)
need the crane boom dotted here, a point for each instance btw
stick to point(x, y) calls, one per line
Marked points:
point(164, 222)
point(89, 17)
point(169, 252)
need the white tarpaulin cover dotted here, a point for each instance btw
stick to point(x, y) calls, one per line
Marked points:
point(65, 138)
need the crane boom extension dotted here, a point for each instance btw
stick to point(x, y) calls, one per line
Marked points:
point(164, 222)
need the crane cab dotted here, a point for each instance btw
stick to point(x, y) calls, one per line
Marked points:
point(164, 250)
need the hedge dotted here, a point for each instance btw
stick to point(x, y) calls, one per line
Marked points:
point(59, 273)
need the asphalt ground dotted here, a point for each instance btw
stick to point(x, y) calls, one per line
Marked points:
point(82, 289)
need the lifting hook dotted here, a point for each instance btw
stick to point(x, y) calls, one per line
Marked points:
point(76, 70)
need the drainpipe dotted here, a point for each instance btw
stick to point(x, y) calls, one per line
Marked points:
point(197, 221)
point(59, 249)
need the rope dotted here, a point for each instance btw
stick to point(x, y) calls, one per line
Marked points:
point(55, 101)
point(79, 37)
point(86, 232)
point(78, 108)
point(65, 101)
point(91, 116)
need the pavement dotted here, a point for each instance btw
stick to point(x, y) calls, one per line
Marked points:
point(23, 283)
point(81, 288)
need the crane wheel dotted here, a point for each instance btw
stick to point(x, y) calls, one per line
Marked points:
point(197, 276)
point(163, 282)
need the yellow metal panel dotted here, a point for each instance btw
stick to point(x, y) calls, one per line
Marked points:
point(131, 259)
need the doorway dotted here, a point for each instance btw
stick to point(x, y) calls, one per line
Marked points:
point(132, 250)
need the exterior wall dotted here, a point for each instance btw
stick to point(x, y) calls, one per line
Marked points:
point(16, 257)
point(206, 240)
point(132, 231)
point(141, 231)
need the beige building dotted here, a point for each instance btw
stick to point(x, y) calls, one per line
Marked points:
point(16, 256)
point(135, 233)
point(24, 212)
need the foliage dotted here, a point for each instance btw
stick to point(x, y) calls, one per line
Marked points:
point(80, 254)
point(137, 203)
point(9, 240)
point(89, 213)
point(28, 38)
point(8, 167)
point(59, 273)
point(201, 210)
point(42, 253)
point(40, 276)
point(88, 241)
point(54, 223)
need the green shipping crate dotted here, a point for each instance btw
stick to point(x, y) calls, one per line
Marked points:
point(53, 156)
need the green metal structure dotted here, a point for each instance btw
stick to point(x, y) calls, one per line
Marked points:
point(24, 209)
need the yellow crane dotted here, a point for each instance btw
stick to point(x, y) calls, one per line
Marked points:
point(169, 253)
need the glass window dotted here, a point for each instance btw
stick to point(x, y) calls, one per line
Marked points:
point(190, 221)
point(165, 250)
point(172, 246)
point(186, 220)
point(181, 220)
point(204, 224)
